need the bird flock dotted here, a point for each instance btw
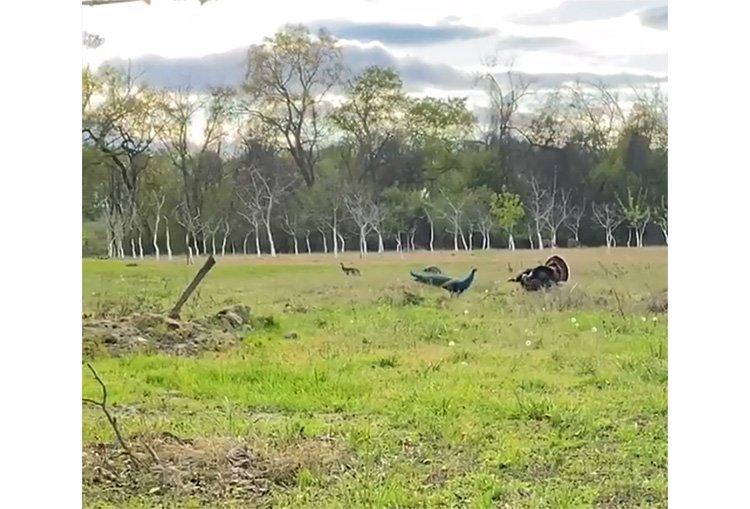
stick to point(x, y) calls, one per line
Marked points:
point(543, 277)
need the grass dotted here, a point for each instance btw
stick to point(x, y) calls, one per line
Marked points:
point(496, 399)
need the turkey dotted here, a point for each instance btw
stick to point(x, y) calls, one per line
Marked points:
point(458, 286)
point(554, 271)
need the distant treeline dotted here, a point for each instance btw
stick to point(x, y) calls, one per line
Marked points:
point(304, 157)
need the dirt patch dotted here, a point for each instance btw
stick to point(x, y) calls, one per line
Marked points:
point(154, 332)
point(208, 470)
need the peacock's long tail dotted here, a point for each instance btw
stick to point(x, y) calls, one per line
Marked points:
point(559, 267)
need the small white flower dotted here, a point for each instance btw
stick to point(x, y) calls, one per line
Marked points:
point(577, 325)
point(464, 363)
point(351, 321)
point(573, 319)
point(643, 318)
point(594, 329)
point(528, 343)
point(653, 319)
point(466, 311)
point(451, 343)
point(486, 291)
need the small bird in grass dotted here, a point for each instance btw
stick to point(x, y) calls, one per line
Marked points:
point(432, 270)
point(554, 271)
point(458, 286)
point(350, 271)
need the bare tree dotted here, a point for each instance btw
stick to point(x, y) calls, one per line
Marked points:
point(452, 210)
point(361, 211)
point(251, 216)
point(558, 207)
point(609, 218)
point(159, 202)
point(573, 221)
point(261, 195)
point(539, 208)
point(637, 214)
point(505, 100)
point(660, 218)
point(290, 225)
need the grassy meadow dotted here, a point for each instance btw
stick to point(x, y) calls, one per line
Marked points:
point(376, 391)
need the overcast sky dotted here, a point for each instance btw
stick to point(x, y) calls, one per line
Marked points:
point(437, 46)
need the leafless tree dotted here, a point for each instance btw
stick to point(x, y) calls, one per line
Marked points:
point(261, 195)
point(251, 216)
point(159, 203)
point(573, 221)
point(452, 210)
point(505, 100)
point(290, 225)
point(660, 218)
point(539, 206)
point(361, 211)
point(608, 216)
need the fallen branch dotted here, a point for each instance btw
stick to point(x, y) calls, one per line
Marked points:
point(112, 420)
point(175, 313)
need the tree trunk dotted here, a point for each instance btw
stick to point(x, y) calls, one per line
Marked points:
point(432, 232)
point(511, 242)
point(381, 248)
point(325, 241)
point(169, 244)
point(156, 234)
point(412, 234)
point(257, 244)
point(335, 239)
point(630, 233)
point(224, 243)
point(455, 237)
point(244, 244)
point(307, 241)
point(296, 246)
point(343, 242)
point(539, 240)
point(463, 239)
point(196, 252)
point(213, 244)
point(132, 248)
point(140, 246)
point(489, 240)
point(189, 255)
point(269, 234)
point(362, 241)
point(204, 241)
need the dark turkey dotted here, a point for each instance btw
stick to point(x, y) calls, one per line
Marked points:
point(554, 271)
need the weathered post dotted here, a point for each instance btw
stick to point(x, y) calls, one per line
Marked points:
point(175, 313)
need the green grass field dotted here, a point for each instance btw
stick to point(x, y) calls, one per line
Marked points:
point(390, 394)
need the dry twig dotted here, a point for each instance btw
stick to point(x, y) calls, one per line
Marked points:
point(112, 420)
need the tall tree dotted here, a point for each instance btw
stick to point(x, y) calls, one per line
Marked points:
point(288, 77)
point(371, 116)
point(507, 208)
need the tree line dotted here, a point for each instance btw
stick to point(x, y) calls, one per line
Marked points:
point(304, 156)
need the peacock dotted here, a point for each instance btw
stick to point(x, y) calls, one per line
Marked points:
point(554, 271)
point(458, 286)
point(430, 278)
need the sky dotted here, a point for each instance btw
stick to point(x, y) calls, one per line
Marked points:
point(438, 47)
